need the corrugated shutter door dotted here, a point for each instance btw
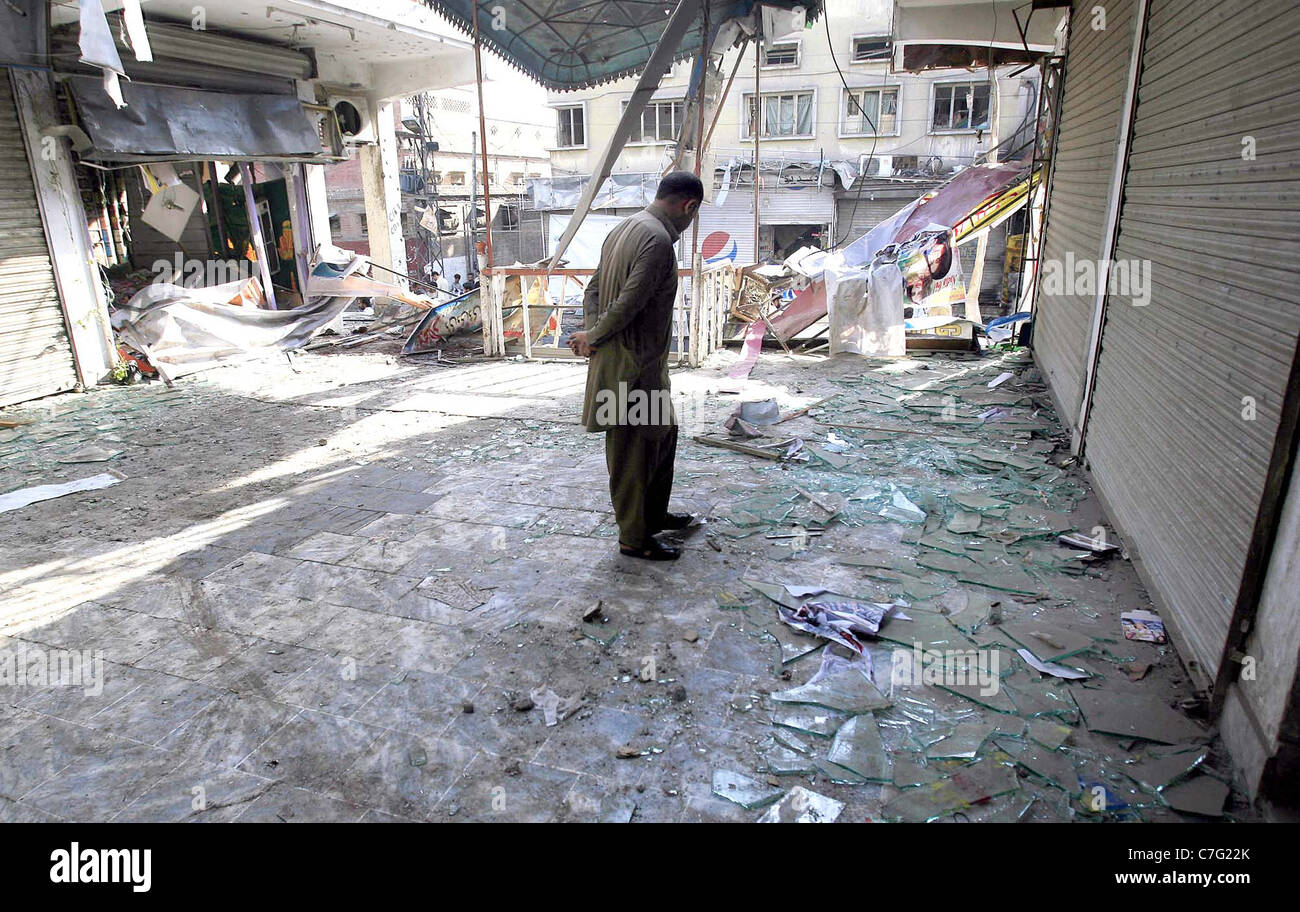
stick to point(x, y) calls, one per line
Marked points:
point(35, 354)
point(1182, 472)
point(1096, 70)
point(873, 207)
point(795, 206)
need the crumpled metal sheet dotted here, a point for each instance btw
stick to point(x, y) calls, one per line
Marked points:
point(184, 330)
point(168, 121)
point(623, 191)
point(960, 197)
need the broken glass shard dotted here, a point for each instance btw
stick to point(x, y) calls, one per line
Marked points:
point(963, 743)
point(1159, 770)
point(1203, 796)
point(744, 790)
point(857, 747)
point(963, 521)
point(902, 510)
point(969, 785)
point(847, 691)
point(781, 761)
point(803, 806)
point(810, 720)
point(1049, 734)
point(1134, 716)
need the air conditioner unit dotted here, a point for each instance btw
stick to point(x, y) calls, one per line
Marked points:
point(352, 112)
point(876, 165)
point(327, 128)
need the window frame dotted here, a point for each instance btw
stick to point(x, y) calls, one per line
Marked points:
point(956, 131)
point(895, 90)
point(570, 106)
point(853, 42)
point(798, 55)
point(746, 136)
point(680, 102)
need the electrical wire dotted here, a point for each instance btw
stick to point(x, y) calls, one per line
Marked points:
point(875, 137)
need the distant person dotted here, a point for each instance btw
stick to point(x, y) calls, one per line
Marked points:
point(441, 284)
point(457, 286)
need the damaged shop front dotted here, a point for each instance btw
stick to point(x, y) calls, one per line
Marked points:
point(187, 150)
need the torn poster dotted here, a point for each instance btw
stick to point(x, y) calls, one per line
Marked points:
point(95, 42)
point(1052, 668)
point(844, 622)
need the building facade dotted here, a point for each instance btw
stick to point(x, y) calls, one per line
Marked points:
point(843, 141)
point(205, 119)
point(441, 171)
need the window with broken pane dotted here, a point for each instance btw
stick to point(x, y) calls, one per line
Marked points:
point(782, 54)
point(960, 106)
point(867, 48)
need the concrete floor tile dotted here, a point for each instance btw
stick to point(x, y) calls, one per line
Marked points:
point(404, 774)
point(312, 750)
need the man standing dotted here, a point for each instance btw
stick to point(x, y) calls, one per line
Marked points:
point(457, 288)
point(628, 318)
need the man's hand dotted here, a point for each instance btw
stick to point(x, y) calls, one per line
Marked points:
point(578, 343)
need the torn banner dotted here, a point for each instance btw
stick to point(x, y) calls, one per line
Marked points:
point(184, 330)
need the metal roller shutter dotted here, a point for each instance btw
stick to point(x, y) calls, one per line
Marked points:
point(1182, 472)
point(35, 354)
point(874, 205)
point(1096, 68)
point(796, 206)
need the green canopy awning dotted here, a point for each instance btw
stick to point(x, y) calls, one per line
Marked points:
point(575, 44)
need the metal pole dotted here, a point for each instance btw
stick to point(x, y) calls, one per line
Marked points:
point(758, 131)
point(722, 102)
point(482, 129)
point(471, 222)
point(255, 234)
point(699, 157)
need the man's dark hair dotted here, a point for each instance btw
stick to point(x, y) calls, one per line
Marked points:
point(457, 275)
point(680, 185)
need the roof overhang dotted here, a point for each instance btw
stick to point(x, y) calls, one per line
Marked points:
point(382, 49)
point(933, 34)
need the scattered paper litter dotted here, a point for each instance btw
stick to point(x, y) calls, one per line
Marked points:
point(23, 497)
point(844, 622)
point(1143, 626)
point(1052, 668)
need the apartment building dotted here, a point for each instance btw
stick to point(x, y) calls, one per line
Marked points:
point(441, 173)
point(843, 141)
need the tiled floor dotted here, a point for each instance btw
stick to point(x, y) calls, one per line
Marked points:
point(326, 600)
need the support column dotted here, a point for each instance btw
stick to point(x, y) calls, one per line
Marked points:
point(318, 204)
point(379, 172)
point(85, 308)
